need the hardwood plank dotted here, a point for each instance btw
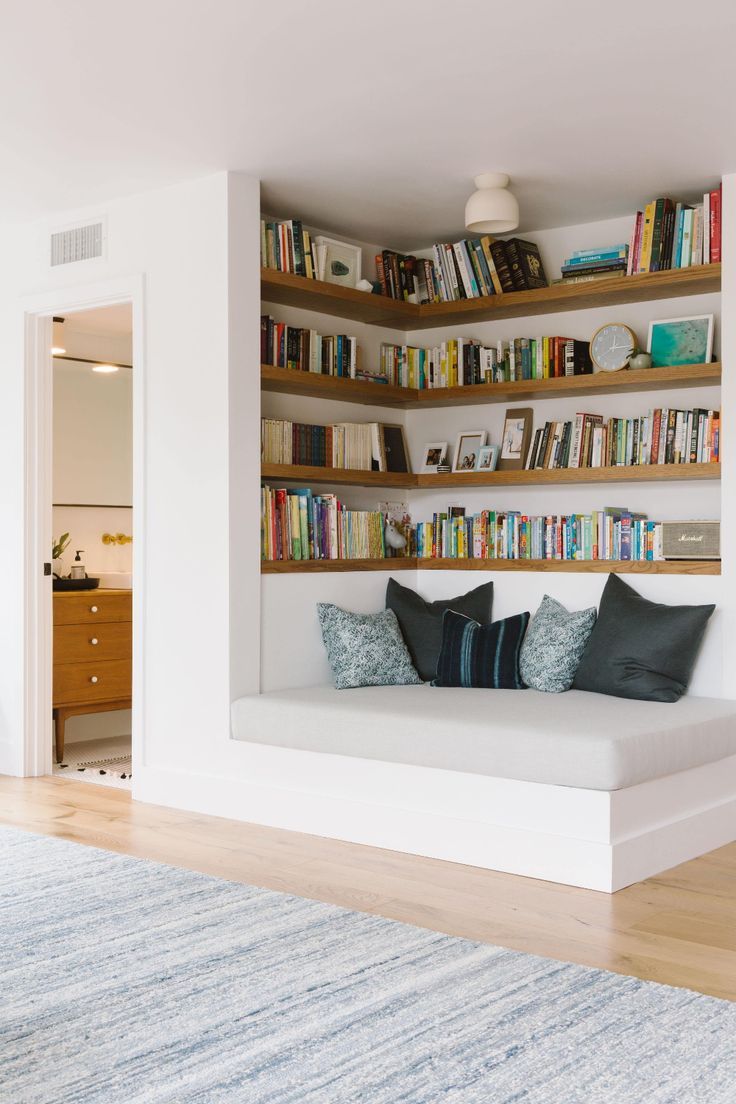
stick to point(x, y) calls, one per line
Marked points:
point(676, 928)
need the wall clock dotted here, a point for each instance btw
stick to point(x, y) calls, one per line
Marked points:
point(611, 346)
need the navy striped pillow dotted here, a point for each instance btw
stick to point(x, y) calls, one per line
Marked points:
point(481, 655)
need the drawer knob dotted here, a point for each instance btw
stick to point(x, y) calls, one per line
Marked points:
point(94, 640)
point(93, 678)
point(93, 609)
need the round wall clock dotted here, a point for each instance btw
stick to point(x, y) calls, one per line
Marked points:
point(611, 346)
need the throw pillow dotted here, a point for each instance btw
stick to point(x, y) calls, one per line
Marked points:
point(553, 645)
point(365, 649)
point(481, 655)
point(421, 621)
point(641, 649)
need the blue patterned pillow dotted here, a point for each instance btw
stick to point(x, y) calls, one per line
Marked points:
point(365, 649)
point(554, 644)
point(481, 655)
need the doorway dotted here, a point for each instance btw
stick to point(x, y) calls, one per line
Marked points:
point(92, 544)
point(126, 295)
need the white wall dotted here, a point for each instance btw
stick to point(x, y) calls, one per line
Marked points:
point(178, 239)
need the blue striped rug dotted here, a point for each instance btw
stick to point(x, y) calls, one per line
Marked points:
point(126, 982)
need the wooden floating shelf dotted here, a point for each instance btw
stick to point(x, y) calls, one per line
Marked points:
point(296, 291)
point(288, 381)
point(291, 382)
point(617, 567)
point(346, 477)
point(379, 310)
point(311, 567)
point(644, 473)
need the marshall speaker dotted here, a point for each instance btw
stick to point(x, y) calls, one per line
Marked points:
point(691, 540)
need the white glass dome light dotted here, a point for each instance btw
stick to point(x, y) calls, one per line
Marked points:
point(492, 209)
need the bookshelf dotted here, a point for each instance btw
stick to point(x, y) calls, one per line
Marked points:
point(378, 310)
point(329, 299)
point(298, 473)
point(288, 381)
point(411, 563)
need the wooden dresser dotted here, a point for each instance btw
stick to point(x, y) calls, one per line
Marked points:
point(93, 648)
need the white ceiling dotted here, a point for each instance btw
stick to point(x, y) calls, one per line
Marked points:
point(369, 118)
point(112, 321)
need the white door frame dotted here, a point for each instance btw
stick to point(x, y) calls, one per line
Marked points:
point(39, 311)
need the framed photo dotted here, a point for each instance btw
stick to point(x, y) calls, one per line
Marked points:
point(517, 431)
point(432, 456)
point(394, 452)
point(488, 458)
point(338, 262)
point(681, 340)
point(468, 449)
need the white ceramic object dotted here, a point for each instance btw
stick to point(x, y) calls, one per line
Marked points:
point(114, 580)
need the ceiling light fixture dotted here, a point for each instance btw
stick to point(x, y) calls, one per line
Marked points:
point(56, 350)
point(492, 209)
point(105, 368)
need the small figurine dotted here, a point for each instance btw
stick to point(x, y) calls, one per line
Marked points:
point(394, 539)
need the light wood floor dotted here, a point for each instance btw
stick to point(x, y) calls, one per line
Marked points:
point(678, 928)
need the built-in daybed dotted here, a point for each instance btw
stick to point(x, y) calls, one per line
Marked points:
point(579, 788)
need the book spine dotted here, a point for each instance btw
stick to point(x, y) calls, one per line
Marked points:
point(715, 226)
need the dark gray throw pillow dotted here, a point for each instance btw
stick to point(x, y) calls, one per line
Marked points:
point(421, 621)
point(641, 649)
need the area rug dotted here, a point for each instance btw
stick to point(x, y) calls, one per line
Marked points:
point(129, 982)
point(107, 762)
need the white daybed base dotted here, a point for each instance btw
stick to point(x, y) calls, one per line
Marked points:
point(593, 838)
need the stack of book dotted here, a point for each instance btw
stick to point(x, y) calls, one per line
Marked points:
point(465, 361)
point(669, 235)
point(347, 445)
point(307, 351)
point(299, 525)
point(595, 264)
point(609, 534)
point(468, 269)
point(662, 436)
point(288, 247)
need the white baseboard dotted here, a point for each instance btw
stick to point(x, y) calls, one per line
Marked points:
point(523, 834)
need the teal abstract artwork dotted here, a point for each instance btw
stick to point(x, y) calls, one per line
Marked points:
point(684, 341)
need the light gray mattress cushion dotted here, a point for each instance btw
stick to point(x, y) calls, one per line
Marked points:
point(578, 739)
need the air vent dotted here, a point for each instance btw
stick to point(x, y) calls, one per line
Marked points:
point(77, 243)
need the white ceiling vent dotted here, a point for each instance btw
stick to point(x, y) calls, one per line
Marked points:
point(77, 243)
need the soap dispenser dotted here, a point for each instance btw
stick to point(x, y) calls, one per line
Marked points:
point(78, 570)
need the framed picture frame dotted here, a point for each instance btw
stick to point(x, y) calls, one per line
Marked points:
point(517, 431)
point(338, 262)
point(686, 340)
point(488, 458)
point(395, 454)
point(467, 449)
point(432, 456)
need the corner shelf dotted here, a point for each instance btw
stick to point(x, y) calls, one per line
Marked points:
point(632, 473)
point(379, 310)
point(346, 477)
point(411, 563)
point(289, 381)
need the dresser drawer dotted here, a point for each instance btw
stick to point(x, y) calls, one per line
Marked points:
point(73, 682)
point(108, 640)
point(91, 606)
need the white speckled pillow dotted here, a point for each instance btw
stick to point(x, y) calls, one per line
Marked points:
point(365, 649)
point(553, 646)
